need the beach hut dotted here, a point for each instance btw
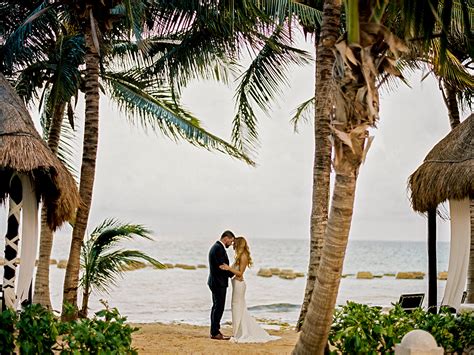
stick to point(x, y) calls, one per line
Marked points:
point(29, 173)
point(447, 174)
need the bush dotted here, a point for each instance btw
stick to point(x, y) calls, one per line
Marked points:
point(360, 328)
point(38, 331)
point(105, 333)
point(8, 320)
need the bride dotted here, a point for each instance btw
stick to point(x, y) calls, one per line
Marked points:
point(245, 327)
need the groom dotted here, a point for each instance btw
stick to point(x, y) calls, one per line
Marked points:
point(218, 281)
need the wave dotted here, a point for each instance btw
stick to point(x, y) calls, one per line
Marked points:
point(275, 307)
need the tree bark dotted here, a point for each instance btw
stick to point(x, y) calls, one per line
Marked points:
point(470, 271)
point(85, 303)
point(452, 105)
point(315, 330)
point(324, 94)
point(42, 293)
point(91, 138)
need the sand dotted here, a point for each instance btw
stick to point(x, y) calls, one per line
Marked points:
point(158, 338)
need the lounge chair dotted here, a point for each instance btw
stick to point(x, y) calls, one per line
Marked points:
point(411, 301)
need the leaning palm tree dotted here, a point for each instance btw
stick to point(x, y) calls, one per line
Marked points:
point(103, 263)
point(366, 55)
point(450, 73)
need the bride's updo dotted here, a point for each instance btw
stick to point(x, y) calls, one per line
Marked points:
point(242, 248)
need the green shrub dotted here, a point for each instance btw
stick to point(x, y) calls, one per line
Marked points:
point(106, 333)
point(356, 328)
point(37, 330)
point(360, 328)
point(8, 320)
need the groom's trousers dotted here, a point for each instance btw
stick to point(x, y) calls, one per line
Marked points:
point(218, 303)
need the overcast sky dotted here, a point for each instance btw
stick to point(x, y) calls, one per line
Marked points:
point(182, 191)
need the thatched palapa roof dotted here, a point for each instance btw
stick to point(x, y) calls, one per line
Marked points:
point(447, 171)
point(23, 150)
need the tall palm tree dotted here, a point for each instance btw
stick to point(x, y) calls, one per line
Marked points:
point(58, 77)
point(325, 37)
point(365, 55)
point(103, 263)
point(458, 83)
point(174, 120)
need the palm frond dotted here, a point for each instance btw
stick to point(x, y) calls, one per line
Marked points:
point(261, 83)
point(67, 149)
point(304, 112)
point(155, 108)
point(110, 267)
point(451, 70)
point(102, 262)
point(110, 232)
point(308, 16)
point(25, 44)
point(196, 54)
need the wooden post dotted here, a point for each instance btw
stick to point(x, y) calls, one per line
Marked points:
point(432, 267)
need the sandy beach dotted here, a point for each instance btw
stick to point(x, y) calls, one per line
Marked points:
point(158, 338)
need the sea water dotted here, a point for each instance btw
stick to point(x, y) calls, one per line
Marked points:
point(177, 295)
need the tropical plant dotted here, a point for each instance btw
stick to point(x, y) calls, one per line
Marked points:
point(106, 332)
point(37, 330)
point(359, 328)
point(151, 101)
point(365, 56)
point(453, 75)
point(103, 263)
point(8, 319)
point(323, 102)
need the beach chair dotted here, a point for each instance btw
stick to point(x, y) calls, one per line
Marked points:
point(411, 301)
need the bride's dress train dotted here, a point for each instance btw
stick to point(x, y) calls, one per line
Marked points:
point(246, 328)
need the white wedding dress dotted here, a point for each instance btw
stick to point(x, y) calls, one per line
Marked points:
point(245, 327)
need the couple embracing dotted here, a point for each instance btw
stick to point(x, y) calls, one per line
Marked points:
point(245, 327)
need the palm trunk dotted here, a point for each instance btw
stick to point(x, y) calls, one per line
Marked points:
point(470, 272)
point(42, 294)
point(85, 302)
point(452, 105)
point(324, 93)
point(315, 330)
point(91, 138)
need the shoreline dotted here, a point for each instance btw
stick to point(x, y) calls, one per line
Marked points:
point(182, 338)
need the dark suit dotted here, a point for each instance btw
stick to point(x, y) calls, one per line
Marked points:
point(218, 281)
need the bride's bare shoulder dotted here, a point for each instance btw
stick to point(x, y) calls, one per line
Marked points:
point(243, 259)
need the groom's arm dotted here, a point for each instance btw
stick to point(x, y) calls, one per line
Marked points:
point(221, 259)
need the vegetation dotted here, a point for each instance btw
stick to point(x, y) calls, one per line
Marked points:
point(102, 263)
point(367, 55)
point(38, 331)
point(362, 329)
point(8, 319)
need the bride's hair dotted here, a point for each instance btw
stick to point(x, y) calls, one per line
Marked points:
point(241, 248)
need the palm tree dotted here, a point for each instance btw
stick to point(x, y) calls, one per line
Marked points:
point(366, 53)
point(102, 263)
point(129, 90)
point(325, 38)
point(457, 81)
point(58, 78)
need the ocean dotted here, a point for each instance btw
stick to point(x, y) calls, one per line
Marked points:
point(177, 295)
